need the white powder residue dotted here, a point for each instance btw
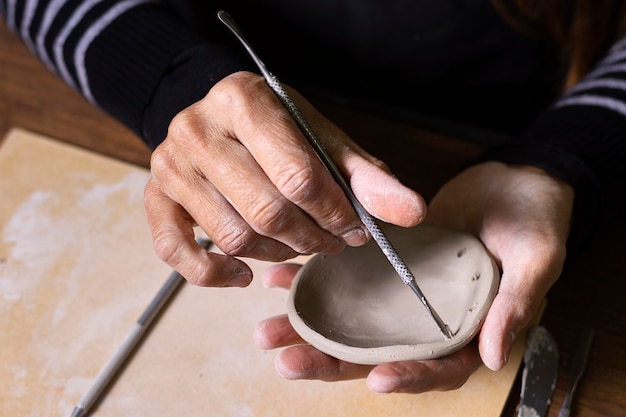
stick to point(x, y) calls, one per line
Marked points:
point(57, 260)
point(31, 232)
point(97, 196)
point(19, 386)
point(526, 411)
point(43, 228)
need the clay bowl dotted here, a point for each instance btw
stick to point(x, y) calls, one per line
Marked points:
point(353, 306)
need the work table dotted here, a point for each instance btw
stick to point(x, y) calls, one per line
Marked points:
point(590, 292)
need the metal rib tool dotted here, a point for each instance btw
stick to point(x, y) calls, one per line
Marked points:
point(377, 234)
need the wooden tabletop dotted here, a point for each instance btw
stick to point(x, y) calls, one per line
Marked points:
point(589, 294)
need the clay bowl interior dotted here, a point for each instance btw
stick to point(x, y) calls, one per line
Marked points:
point(354, 306)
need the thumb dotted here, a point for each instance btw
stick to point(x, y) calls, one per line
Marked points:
point(517, 302)
point(380, 193)
point(502, 324)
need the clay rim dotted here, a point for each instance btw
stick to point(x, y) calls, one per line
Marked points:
point(394, 352)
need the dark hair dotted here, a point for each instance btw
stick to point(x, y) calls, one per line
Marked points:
point(583, 29)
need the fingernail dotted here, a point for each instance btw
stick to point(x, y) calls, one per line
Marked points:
point(491, 355)
point(241, 277)
point(507, 348)
point(496, 356)
point(381, 384)
point(355, 237)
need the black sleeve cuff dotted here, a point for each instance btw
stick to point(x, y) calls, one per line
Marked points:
point(585, 147)
point(146, 66)
point(188, 79)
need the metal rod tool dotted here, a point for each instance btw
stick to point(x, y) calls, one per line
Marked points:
point(377, 234)
point(115, 362)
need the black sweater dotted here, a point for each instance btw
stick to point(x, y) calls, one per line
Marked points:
point(143, 61)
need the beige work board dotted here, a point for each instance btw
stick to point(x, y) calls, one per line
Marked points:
point(77, 269)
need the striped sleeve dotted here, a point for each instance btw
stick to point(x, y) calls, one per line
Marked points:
point(121, 54)
point(59, 32)
point(605, 86)
point(581, 139)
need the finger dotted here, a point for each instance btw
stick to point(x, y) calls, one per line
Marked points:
point(443, 374)
point(382, 194)
point(276, 332)
point(289, 162)
point(263, 206)
point(280, 275)
point(502, 324)
point(513, 308)
point(525, 281)
point(210, 210)
point(174, 243)
point(306, 362)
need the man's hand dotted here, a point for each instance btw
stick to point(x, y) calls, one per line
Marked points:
point(522, 215)
point(302, 361)
point(236, 164)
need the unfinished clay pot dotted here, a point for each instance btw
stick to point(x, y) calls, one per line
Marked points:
point(354, 306)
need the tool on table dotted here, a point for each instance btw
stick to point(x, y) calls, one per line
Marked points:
point(541, 368)
point(377, 234)
point(109, 370)
point(578, 362)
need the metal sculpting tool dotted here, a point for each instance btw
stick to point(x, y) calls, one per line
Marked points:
point(541, 368)
point(377, 234)
point(116, 361)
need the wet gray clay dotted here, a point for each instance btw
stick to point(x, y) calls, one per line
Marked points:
point(354, 306)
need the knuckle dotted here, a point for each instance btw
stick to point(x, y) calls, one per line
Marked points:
point(270, 217)
point(223, 93)
point(247, 101)
point(184, 129)
point(168, 157)
point(298, 185)
point(235, 89)
point(167, 249)
point(198, 275)
point(160, 162)
point(338, 221)
point(171, 252)
point(235, 240)
point(303, 188)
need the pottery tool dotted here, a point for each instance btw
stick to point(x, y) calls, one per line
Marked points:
point(578, 363)
point(116, 361)
point(541, 368)
point(377, 234)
